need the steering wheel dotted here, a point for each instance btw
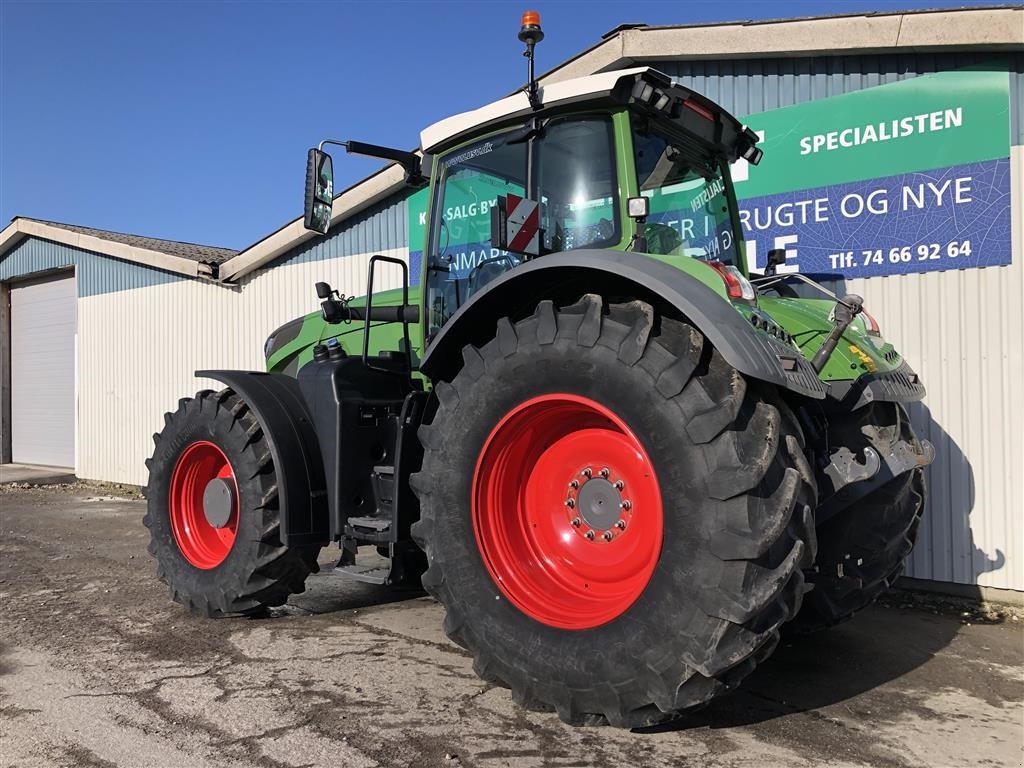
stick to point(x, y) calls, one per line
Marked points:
point(475, 271)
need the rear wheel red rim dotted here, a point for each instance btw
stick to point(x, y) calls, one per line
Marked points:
point(203, 545)
point(567, 511)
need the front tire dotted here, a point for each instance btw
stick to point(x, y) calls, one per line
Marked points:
point(864, 548)
point(230, 560)
point(637, 622)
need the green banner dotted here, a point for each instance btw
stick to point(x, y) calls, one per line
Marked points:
point(932, 121)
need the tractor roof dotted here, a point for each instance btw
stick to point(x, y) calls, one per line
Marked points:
point(565, 92)
point(644, 89)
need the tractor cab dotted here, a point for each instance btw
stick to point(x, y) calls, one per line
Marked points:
point(621, 161)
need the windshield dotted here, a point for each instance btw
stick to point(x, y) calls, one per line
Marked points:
point(572, 174)
point(689, 204)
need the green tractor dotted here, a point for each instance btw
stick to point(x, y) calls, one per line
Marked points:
point(621, 461)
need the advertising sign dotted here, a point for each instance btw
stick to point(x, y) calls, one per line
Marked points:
point(901, 178)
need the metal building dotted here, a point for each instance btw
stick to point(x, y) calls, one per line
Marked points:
point(75, 302)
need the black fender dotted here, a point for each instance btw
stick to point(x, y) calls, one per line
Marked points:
point(277, 403)
point(621, 276)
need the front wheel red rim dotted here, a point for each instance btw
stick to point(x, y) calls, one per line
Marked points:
point(202, 544)
point(567, 511)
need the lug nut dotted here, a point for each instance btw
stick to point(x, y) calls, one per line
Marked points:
point(577, 522)
point(621, 525)
point(570, 503)
point(619, 485)
point(626, 504)
point(590, 535)
point(574, 483)
point(588, 472)
point(605, 472)
point(607, 536)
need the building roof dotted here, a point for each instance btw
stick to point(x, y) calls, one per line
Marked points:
point(990, 28)
point(985, 28)
point(172, 255)
point(204, 254)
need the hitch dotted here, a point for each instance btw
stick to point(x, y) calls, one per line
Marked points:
point(844, 468)
point(842, 315)
point(853, 480)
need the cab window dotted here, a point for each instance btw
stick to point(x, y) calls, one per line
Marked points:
point(461, 258)
point(577, 184)
point(573, 162)
point(690, 211)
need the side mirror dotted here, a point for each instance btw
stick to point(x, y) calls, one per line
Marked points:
point(323, 291)
point(776, 258)
point(319, 191)
point(515, 225)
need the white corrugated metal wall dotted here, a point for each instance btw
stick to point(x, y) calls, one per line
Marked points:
point(963, 332)
point(138, 349)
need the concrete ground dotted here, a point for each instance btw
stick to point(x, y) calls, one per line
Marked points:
point(35, 474)
point(99, 668)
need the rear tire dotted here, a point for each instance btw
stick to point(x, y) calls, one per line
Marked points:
point(864, 548)
point(735, 514)
point(241, 567)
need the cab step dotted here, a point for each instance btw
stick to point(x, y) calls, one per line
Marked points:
point(377, 528)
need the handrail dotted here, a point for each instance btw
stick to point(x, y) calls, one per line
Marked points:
point(369, 312)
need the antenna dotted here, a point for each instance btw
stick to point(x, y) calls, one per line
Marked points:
point(531, 34)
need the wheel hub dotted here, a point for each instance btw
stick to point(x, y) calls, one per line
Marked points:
point(598, 510)
point(218, 502)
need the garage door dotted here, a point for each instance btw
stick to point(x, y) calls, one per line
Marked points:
point(43, 372)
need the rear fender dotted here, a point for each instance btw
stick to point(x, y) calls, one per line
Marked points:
point(621, 276)
point(277, 403)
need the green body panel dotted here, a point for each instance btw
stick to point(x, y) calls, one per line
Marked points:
point(301, 346)
point(383, 336)
point(807, 320)
point(627, 178)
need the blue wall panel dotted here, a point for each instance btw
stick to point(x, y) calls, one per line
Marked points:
point(96, 274)
point(378, 228)
point(383, 226)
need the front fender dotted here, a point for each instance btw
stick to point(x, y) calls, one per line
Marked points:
point(620, 276)
point(277, 403)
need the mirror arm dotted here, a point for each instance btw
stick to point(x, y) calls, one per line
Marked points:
point(410, 161)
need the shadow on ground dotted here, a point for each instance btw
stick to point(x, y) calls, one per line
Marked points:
point(330, 592)
point(831, 667)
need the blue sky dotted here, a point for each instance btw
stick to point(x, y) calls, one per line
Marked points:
point(191, 120)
